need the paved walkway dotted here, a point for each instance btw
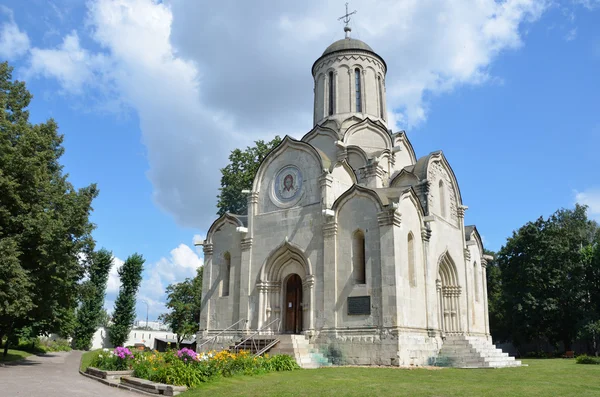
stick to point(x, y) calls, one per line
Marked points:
point(52, 375)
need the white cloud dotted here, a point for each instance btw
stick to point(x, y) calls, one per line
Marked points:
point(113, 284)
point(589, 4)
point(182, 263)
point(571, 35)
point(591, 198)
point(14, 43)
point(205, 81)
point(74, 67)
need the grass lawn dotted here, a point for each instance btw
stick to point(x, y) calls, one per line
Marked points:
point(13, 355)
point(86, 359)
point(548, 377)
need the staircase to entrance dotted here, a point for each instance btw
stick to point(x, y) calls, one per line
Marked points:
point(297, 346)
point(463, 351)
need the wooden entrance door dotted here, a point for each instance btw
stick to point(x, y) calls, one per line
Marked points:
point(293, 305)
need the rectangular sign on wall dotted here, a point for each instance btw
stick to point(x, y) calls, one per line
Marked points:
point(359, 305)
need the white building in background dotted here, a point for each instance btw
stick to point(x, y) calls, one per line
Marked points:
point(154, 325)
point(136, 336)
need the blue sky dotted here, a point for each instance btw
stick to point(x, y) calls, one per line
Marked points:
point(151, 96)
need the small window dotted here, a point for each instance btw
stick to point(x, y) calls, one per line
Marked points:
point(331, 93)
point(442, 192)
point(381, 104)
point(226, 273)
point(411, 260)
point(358, 257)
point(476, 281)
point(358, 90)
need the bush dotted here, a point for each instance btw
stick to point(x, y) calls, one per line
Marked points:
point(188, 368)
point(282, 362)
point(584, 359)
point(42, 345)
point(120, 359)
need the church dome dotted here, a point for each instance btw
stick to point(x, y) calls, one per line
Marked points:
point(347, 44)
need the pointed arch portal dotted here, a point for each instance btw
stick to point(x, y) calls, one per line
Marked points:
point(286, 291)
point(448, 293)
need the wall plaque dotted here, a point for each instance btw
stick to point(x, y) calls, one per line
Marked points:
point(359, 305)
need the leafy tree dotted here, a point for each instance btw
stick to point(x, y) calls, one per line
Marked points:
point(130, 274)
point(183, 301)
point(88, 315)
point(496, 307)
point(44, 220)
point(15, 286)
point(542, 268)
point(239, 175)
point(103, 319)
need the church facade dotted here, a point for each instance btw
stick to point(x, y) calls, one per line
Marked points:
point(349, 239)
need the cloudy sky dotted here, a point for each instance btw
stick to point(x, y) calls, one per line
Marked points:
point(152, 95)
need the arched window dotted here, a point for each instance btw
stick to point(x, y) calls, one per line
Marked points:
point(331, 93)
point(442, 192)
point(476, 281)
point(358, 257)
point(381, 104)
point(411, 260)
point(226, 272)
point(358, 90)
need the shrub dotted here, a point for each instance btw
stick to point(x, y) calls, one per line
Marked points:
point(282, 362)
point(119, 359)
point(43, 345)
point(584, 359)
point(188, 368)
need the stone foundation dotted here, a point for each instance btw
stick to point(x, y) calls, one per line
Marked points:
point(389, 349)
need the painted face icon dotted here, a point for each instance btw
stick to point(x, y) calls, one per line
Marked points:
point(288, 182)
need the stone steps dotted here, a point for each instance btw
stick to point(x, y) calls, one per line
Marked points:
point(474, 352)
point(299, 347)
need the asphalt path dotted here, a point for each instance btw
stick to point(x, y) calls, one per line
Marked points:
point(52, 375)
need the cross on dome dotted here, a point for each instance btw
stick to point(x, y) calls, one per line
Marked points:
point(346, 19)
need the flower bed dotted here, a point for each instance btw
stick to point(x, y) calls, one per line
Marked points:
point(185, 367)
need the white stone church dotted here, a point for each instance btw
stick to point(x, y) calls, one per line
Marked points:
point(350, 240)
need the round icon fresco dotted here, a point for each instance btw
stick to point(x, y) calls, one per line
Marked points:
point(287, 186)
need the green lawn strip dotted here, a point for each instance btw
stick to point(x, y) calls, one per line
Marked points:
point(548, 377)
point(86, 359)
point(13, 355)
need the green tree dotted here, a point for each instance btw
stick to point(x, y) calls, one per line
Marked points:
point(44, 220)
point(90, 310)
point(542, 268)
point(496, 307)
point(103, 319)
point(239, 175)
point(130, 274)
point(183, 302)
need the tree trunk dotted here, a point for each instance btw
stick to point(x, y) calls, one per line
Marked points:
point(5, 349)
point(8, 331)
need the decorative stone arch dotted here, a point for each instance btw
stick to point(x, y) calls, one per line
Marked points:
point(223, 220)
point(284, 261)
point(427, 169)
point(356, 191)
point(320, 130)
point(357, 158)
point(400, 138)
point(375, 128)
point(346, 167)
point(448, 293)
point(287, 142)
point(404, 177)
point(323, 139)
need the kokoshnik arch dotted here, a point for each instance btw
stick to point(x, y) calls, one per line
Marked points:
point(350, 240)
